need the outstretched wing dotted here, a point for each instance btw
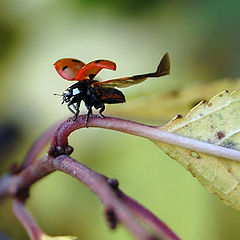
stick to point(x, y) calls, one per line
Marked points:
point(163, 69)
point(68, 68)
point(90, 70)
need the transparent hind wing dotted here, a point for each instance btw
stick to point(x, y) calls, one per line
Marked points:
point(162, 69)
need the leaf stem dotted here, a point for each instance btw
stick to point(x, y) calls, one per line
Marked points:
point(153, 133)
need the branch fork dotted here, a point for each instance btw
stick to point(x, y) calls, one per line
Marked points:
point(119, 207)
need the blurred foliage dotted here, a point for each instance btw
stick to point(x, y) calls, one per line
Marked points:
point(8, 38)
point(10, 136)
point(202, 40)
point(3, 237)
point(124, 6)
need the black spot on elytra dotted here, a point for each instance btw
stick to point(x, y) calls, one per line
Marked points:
point(92, 76)
point(64, 68)
point(97, 61)
point(75, 60)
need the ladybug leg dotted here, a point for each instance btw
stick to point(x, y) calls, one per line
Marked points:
point(88, 115)
point(101, 111)
point(69, 107)
point(76, 107)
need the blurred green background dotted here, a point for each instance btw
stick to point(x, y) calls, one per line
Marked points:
point(202, 38)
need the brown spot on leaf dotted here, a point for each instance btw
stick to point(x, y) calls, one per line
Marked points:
point(195, 155)
point(220, 135)
point(179, 116)
point(172, 94)
point(229, 170)
point(195, 103)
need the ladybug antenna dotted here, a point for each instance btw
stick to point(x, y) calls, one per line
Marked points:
point(56, 94)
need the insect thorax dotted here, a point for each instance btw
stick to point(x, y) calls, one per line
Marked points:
point(82, 91)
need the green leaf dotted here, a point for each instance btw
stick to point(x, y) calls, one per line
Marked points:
point(216, 122)
point(46, 237)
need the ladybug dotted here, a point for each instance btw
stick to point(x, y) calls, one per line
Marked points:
point(94, 93)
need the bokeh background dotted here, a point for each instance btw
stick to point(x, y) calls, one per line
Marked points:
point(202, 38)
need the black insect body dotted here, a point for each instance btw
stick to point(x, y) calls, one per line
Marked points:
point(92, 96)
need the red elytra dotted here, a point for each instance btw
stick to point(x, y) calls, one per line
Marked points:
point(93, 68)
point(75, 70)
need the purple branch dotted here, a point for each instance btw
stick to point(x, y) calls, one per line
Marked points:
point(98, 183)
point(18, 185)
point(100, 186)
point(59, 143)
point(119, 207)
point(32, 228)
